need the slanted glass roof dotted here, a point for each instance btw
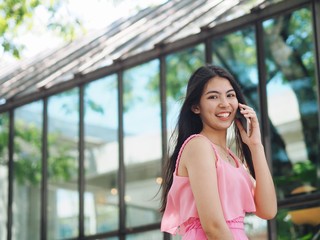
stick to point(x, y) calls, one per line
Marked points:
point(165, 24)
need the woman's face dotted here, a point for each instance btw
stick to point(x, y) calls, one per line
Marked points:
point(218, 104)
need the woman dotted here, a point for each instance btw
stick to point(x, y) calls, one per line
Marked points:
point(207, 189)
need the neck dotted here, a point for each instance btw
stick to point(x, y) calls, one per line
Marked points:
point(217, 138)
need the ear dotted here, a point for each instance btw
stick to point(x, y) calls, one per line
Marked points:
point(195, 109)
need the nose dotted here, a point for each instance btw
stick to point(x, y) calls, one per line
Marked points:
point(223, 101)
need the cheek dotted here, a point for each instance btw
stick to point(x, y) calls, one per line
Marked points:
point(235, 103)
point(207, 110)
point(210, 107)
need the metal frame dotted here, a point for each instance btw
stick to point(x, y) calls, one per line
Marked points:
point(163, 97)
point(10, 174)
point(316, 30)
point(44, 179)
point(121, 172)
point(81, 148)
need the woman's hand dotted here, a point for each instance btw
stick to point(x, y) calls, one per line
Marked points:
point(265, 196)
point(254, 136)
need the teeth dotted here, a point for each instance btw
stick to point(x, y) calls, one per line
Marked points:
point(224, 115)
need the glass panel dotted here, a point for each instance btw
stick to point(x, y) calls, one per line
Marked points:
point(298, 223)
point(151, 235)
point(63, 196)
point(101, 204)
point(237, 53)
point(292, 102)
point(4, 136)
point(142, 143)
point(180, 66)
point(27, 171)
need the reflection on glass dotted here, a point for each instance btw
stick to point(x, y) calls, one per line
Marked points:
point(101, 156)
point(298, 223)
point(237, 53)
point(180, 66)
point(150, 235)
point(142, 143)
point(4, 136)
point(292, 101)
point(27, 171)
point(63, 196)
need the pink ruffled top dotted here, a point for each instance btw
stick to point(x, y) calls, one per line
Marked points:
point(236, 191)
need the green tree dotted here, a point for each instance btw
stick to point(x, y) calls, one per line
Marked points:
point(61, 164)
point(4, 137)
point(18, 16)
point(293, 34)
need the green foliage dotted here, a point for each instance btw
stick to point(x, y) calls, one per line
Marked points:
point(18, 16)
point(180, 66)
point(28, 170)
point(287, 230)
point(302, 173)
point(128, 96)
point(27, 158)
point(147, 75)
point(283, 225)
point(62, 165)
point(94, 106)
point(4, 137)
point(305, 171)
point(62, 159)
point(238, 48)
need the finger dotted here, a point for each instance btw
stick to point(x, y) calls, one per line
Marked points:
point(245, 109)
point(241, 105)
point(248, 112)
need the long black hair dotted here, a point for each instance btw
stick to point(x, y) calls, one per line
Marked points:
point(190, 123)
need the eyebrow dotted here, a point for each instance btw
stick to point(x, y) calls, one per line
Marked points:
point(214, 91)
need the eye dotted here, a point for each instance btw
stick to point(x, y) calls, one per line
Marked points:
point(231, 95)
point(213, 97)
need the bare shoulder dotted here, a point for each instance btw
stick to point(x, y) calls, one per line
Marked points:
point(198, 142)
point(197, 147)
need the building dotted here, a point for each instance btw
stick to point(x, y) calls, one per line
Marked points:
point(84, 129)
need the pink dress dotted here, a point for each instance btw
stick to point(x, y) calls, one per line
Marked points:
point(236, 193)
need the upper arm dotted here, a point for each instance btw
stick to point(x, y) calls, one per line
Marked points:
point(199, 160)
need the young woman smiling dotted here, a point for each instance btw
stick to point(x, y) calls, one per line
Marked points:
point(208, 189)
